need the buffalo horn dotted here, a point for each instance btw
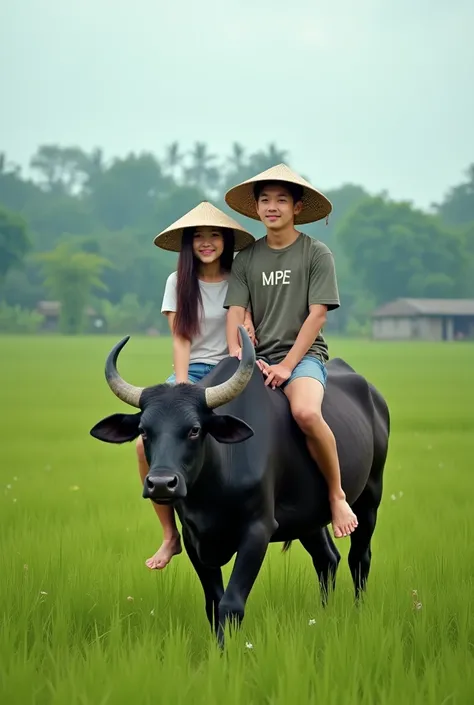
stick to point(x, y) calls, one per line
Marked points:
point(231, 388)
point(123, 390)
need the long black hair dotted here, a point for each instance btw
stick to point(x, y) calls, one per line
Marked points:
point(188, 293)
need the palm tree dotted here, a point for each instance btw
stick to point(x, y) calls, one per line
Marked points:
point(262, 160)
point(173, 157)
point(236, 158)
point(63, 169)
point(202, 172)
point(6, 167)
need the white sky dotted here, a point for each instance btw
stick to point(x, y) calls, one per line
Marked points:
point(377, 92)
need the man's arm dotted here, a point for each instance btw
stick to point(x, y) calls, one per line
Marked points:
point(237, 302)
point(249, 326)
point(235, 318)
point(323, 296)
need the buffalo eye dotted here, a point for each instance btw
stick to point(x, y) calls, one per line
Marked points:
point(194, 431)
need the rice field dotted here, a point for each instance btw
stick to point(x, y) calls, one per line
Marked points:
point(84, 622)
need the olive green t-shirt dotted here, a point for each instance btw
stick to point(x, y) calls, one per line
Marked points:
point(280, 286)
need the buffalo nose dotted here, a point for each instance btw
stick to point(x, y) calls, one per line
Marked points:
point(161, 486)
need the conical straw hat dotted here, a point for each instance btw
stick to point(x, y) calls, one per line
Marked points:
point(204, 214)
point(315, 205)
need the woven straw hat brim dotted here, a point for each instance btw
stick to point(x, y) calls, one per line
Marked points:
point(205, 214)
point(315, 205)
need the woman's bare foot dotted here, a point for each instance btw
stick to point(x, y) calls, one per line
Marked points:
point(344, 521)
point(169, 548)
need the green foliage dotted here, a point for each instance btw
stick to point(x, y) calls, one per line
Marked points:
point(398, 250)
point(458, 205)
point(467, 236)
point(14, 241)
point(113, 208)
point(71, 276)
point(15, 319)
point(124, 195)
point(130, 316)
point(60, 169)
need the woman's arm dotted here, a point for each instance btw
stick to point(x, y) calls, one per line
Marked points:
point(181, 352)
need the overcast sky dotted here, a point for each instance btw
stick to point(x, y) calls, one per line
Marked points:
point(377, 92)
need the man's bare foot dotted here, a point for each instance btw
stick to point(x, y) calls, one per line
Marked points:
point(344, 521)
point(169, 548)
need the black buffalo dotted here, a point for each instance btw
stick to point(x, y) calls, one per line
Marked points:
point(230, 458)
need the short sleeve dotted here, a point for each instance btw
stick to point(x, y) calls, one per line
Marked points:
point(238, 291)
point(323, 287)
point(169, 297)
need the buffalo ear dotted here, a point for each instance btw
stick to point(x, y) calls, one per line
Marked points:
point(228, 429)
point(118, 428)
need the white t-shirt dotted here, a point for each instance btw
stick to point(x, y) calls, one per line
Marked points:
point(210, 346)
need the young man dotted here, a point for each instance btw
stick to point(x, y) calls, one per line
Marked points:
point(289, 280)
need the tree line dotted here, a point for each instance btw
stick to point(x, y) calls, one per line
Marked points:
point(79, 230)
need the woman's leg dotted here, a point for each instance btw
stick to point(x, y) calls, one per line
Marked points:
point(171, 539)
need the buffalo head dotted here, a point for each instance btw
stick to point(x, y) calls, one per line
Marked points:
point(174, 421)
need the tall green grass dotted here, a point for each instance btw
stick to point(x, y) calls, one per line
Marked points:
point(83, 621)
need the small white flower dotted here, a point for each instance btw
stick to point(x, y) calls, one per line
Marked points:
point(393, 497)
point(248, 645)
point(152, 613)
point(74, 488)
point(400, 494)
point(311, 622)
point(130, 598)
point(14, 499)
point(43, 592)
point(15, 478)
point(9, 487)
point(418, 605)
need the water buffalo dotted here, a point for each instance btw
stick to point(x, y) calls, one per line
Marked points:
point(228, 455)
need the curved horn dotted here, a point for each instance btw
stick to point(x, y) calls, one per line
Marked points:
point(231, 388)
point(123, 390)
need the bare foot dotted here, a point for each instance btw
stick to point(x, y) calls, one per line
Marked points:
point(344, 521)
point(169, 548)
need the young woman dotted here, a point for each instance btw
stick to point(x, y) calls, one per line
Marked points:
point(193, 302)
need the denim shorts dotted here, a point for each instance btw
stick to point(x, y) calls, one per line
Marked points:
point(196, 371)
point(309, 366)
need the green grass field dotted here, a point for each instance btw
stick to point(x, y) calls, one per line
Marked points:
point(84, 622)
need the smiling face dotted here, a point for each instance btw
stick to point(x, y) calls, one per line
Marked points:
point(276, 207)
point(208, 244)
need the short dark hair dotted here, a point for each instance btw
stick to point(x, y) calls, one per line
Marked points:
point(295, 190)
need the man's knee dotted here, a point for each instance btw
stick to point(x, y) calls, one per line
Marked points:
point(307, 418)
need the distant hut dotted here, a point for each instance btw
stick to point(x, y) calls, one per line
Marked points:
point(50, 310)
point(424, 319)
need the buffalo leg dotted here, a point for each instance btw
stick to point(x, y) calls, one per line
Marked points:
point(360, 554)
point(326, 557)
point(211, 581)
point(249, 559)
